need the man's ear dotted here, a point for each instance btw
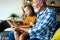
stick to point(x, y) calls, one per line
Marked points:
point(41, 4)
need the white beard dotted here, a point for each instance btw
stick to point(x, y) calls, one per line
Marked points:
point(36, 10)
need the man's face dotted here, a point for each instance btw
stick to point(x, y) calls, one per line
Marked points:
point(35, 4)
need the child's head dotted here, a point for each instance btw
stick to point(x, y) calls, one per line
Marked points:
point(29, 10)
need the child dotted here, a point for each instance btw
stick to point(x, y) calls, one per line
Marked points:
point(28, 20)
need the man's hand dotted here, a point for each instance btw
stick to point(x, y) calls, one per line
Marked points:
point(20, 29)
point(17, 29)
point(24, 29)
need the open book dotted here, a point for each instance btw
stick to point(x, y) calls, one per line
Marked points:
point(15, 23)
point(11, 20)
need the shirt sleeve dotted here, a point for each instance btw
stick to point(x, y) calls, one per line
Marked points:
point(33, 20)
point(46, 22)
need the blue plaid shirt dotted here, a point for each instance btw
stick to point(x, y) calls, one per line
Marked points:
point(45, 25)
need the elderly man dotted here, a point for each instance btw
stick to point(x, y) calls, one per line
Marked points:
point(45, 24)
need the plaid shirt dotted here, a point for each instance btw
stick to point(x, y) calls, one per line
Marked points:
point(45, 25)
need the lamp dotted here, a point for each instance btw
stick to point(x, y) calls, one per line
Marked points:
point(52, 3)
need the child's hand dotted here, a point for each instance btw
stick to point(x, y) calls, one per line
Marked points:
point(17, 29)
point(19, 23)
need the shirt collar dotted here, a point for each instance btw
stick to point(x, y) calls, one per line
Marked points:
point(42, 11)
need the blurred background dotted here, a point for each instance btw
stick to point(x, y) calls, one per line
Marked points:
point(15, 7)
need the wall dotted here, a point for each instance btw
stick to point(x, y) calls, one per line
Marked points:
point(57, 2)
point(9, 6)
